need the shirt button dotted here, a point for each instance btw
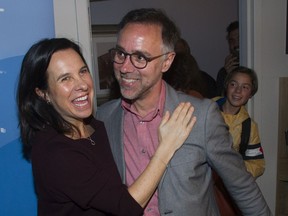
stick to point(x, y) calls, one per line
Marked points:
point(143, 151)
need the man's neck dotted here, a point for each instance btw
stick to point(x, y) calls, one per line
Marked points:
point(148, 102)
point(146, 105)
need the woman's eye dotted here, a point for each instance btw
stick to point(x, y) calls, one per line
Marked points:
point(65, 79)
point(85, 70)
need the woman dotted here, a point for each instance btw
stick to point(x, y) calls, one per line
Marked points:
point(73, 167)
point(184, 75)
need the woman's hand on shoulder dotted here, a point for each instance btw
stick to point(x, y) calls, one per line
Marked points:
point(174, 129)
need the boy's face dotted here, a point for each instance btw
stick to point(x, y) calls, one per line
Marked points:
point(239, 89)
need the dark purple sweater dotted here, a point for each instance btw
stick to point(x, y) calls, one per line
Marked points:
point(73, 177)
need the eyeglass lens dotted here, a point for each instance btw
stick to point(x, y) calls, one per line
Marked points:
point(138, 60)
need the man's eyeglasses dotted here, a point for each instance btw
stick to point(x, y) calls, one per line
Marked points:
point(137, 59)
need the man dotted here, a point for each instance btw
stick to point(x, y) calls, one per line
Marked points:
point(232, 60)
point(144, 51)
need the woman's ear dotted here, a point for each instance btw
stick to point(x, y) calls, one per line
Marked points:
point(42, 95)
point(168, 61)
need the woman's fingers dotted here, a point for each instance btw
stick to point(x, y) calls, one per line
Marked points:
point(176, 127)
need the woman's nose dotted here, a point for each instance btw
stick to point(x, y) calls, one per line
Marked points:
point(81, 84)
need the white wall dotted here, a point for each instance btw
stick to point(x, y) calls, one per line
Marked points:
point(268, 58)
point(72, 21)
point(202, 23)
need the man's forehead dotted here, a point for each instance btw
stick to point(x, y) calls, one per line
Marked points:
point(234, 34)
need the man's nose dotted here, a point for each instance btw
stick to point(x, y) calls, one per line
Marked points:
point(127, 65)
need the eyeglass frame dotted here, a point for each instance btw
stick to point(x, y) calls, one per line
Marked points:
point(147, 59)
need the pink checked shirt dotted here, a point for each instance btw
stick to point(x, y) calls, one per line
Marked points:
point(140, 143)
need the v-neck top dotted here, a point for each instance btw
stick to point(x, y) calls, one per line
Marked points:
point(76, 178)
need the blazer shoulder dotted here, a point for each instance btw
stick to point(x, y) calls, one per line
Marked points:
point(107, 109)
point(199, 102)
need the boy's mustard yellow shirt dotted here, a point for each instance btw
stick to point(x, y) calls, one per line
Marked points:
point(255, 166)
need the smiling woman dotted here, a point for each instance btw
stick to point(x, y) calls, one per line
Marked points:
point(70, 88)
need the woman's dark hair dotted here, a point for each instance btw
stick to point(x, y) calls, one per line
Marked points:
point(34, 112)
point(170, 33)
point(184, 74)
point(182, 46)
point(241, 69)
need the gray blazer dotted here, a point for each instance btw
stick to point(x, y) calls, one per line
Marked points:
point(186, 187)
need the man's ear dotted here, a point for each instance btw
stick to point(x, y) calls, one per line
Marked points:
point(168, 61)
point(42, 95)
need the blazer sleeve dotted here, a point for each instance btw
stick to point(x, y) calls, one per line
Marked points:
point(230, 166)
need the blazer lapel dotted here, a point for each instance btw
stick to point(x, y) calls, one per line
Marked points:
point(116, 140)
point(171, 102)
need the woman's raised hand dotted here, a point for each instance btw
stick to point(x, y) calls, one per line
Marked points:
point(174, 129)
